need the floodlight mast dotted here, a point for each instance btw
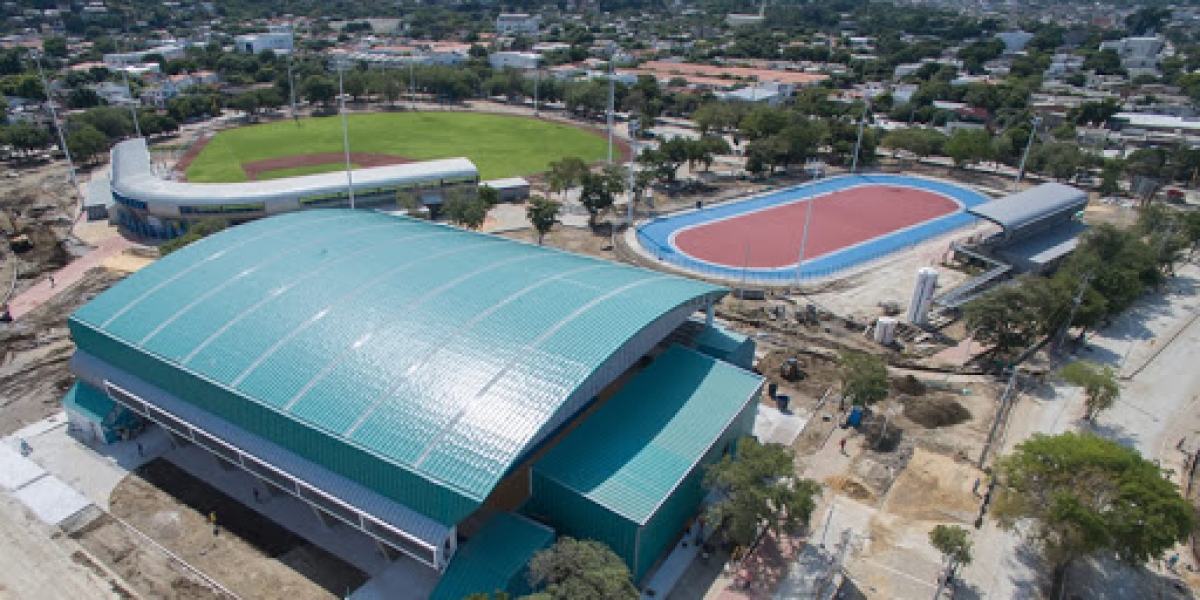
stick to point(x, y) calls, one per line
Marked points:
point(340, 65)
point(62, 140)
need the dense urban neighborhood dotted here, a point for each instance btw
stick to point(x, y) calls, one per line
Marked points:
point(599, 300)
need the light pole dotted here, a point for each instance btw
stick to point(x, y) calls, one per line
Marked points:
point(633, 134)
point(1037, 121)
point(804, 232)
point(292, 83)
point(537, 80)
point(612, 94)
point(412, 82)
point(62, 140)
point(341, 67)
point(862, 120)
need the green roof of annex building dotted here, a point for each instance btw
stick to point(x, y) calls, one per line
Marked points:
point(494, 559)
point(426, 359)
point(632, 451)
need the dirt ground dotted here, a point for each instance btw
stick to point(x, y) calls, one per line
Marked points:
point(34, 354)
point(252, 556)
point(597, 243)
point(362, 159)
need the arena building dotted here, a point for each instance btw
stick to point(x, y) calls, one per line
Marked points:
point(455, 396)
point(152, 206)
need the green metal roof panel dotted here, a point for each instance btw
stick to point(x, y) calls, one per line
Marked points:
point(441, 351)
point(494, 558)
point(89, 401)
point(631, 452)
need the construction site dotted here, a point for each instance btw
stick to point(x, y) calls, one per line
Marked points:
point(915, 460)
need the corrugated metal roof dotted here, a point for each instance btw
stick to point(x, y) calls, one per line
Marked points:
point(494, 558)
point(133, 177)
point(441, 351)
point(632, 451)
point(1026, 208)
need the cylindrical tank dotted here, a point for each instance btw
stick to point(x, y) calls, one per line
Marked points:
point(922, 299)
point(885, 330)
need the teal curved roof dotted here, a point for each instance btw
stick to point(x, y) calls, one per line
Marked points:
point(431, 357)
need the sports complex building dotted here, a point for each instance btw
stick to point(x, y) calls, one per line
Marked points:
point(152, 206)
point(455, 397)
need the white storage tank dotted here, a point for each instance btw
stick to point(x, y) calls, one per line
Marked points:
point(922, 299)
point(885, 330)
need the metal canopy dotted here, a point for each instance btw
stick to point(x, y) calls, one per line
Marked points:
point(1049, 201)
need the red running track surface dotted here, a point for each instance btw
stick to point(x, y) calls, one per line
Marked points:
point(839, 219)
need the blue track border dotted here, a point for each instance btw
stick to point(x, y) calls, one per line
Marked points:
point(657, 236)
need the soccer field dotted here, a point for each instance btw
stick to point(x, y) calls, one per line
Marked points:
point(500, 146)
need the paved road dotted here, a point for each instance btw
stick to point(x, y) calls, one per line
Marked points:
point(1157, 340)
point(65, 277)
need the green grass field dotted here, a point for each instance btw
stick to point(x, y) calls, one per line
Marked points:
point(500, 146)
point(309, 170)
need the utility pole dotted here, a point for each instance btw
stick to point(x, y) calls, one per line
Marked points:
point(1037, 121)
point(292, 79)
point(862, 121)
point(137, 127)
point(412, 82)
point(62, 140)
point(340, 65)
point(537, 81)
point(1062, 335)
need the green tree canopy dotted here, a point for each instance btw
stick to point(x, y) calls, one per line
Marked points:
point(1098, 381)
point(565, 173)
point(86, 142)
point(759, 486)
point(952, 542)
point(542, 214)
point(465, 210)
point(1079, 494)
point(581, 570)
point(863, 377)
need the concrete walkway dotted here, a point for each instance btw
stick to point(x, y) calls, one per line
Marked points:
point(48, 288)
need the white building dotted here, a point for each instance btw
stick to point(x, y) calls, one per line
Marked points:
point(279, 42)
point(127, 59)
point(1138, 52)
point(515, 60)
point(518, 24)
point(112, 92)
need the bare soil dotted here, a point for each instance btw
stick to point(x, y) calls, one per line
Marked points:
point(34, 354)
point(252, 556)
point(362, 159)
point(580, 240)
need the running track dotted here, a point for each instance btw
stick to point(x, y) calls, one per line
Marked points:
point(855, 219)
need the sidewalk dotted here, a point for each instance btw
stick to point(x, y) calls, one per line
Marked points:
point(64, 278)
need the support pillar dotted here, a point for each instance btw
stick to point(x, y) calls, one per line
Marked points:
point(325, 519)
point(388, 552)
point(709, 311)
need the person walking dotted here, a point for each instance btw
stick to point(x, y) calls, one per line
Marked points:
point(842, 445)
point(51, 282)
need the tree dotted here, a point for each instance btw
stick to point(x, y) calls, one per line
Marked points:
point(1099, 382)
point(863, 377)
point(26, 137)
point(967, 146)
point(759, 487)
point(565, 173)
point(86, 142)
point(581, 570)
point(55, 46)
point(319, 88)
point(542, 214)
point(465, 210)
point(596, 195)
point(83, 98)
point(1007, 318)
point(1079, 494)
point(952, 542)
